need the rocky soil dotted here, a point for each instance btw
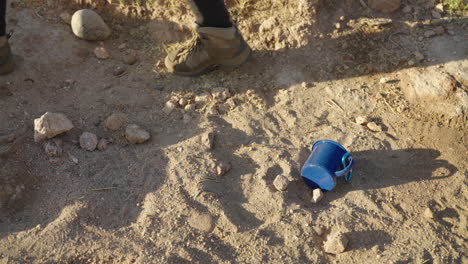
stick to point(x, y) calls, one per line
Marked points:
point(107, 158)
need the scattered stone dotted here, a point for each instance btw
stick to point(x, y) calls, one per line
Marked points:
point(361, 120)
point(101, 53)
point(418, 56)
point(88, 141)
point(53, 148)
point(183, 102)
point(374, 127)
point(207, 139)
point(440, 30)
point(130, 57)
point(136, 135)
point(201, 221)
point(102, 144)
point(66, 17)
point(203, 98)
point(318, 230)
point(384, 6)
point(336, 243)
point(169, 107)
point(118, 71)
point(407, 9)
point(190, 107)
point(223, 168)
point(116, 121)
point(281, 183)
point(73, 158)
point(428, 213)
point(429, 33)
point(221, 94)
point(88, 25)
point(436, 14)
point(50, 125)
point(317, 195)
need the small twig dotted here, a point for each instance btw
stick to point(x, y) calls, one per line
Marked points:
point(336, 104)
point(102, 189)
point(391, 108)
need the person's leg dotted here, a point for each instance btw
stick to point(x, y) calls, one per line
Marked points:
point(219, 43)
point(6, 59)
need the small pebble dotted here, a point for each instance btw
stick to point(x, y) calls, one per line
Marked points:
point(207, 139)
point(411, 62)
point(101, 53)
point(439, 7)
point(116, 121)
point(281, 183)
point(169, 107)
point(223, 168)
point(183, 102)
point(102, 144)
point(374, 127)
point(53, 147)
point(317, 195)
point(336, 243)
point(136, 135)
point(428, 213)
point(203, 98)
point(118, 71)
point(384, 80)
point(418, 56)
point(88, 141)
point(130, 57)
point(361, 120)
point(429, 33)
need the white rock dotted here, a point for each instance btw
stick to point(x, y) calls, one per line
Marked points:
point(384, 80)
point(88, 25)
point(439, 8)
point(281, 183)
point(116, 121)
point(336, 243)
point(183, 102)
point(136, 135)
point(101, 53)
point(223, 168)
point(88, 141)
point(50, 125)
point(317, 195)
point(361, 120)
point(374, 127)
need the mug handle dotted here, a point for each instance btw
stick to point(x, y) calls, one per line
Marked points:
point(348, 168)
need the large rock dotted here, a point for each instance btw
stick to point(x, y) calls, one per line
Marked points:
point(136, 135)
point(88, 25)
point(50, 125)
point(384, 6)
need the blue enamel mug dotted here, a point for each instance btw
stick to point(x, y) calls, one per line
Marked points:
point(328, 161)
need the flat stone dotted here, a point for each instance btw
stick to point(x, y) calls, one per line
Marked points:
point(50, 125)
point(88, 141)
point(201, 221)
point(336, 243)
point(281, 183)
point(87, 24)
point(136, 135)
point(116, 121)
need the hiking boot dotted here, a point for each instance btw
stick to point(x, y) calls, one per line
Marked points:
point(213, 47)
point(6, 58)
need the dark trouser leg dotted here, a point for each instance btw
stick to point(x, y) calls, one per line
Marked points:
point(2, 17)
point(210, 13)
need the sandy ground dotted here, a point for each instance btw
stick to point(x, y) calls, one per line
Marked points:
point(163, 202)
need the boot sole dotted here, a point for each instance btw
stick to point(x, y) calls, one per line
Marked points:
point(224, 64)
point(7, 67)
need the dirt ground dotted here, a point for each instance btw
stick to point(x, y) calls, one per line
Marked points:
point(308, 79)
